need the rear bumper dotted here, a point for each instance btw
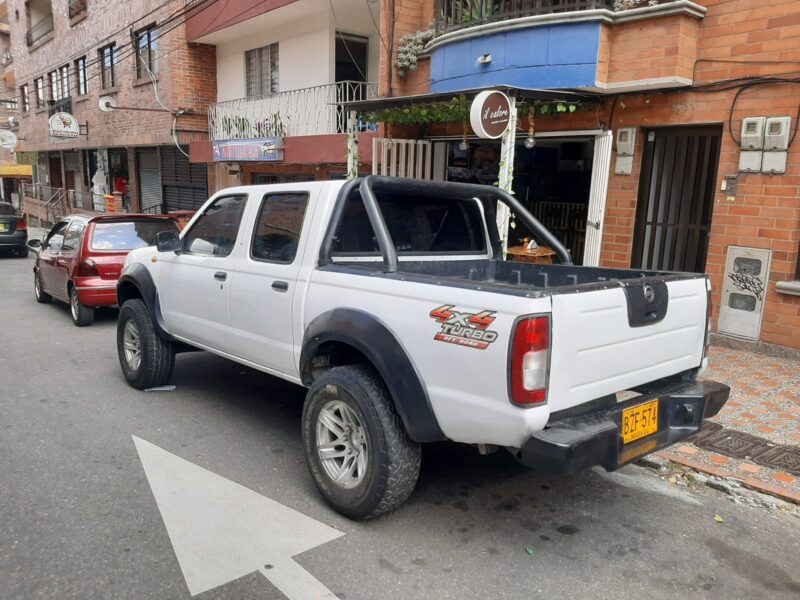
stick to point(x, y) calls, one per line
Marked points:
point(104, 294)
point(18, 239)
point(578, 442)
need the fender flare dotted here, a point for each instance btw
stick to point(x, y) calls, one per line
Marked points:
point(377, 342)
point(138, 278)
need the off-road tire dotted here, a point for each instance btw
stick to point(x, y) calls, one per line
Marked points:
point(157, 354)
point(393, 458)
point(81, 315)
point(42, 297)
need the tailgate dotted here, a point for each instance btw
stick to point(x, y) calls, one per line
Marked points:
point(610, 340)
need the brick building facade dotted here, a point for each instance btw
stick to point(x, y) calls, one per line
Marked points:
point(70, 53)
point(683, 76)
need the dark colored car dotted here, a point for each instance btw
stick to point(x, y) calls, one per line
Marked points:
point(13, 230)
point(81, 258)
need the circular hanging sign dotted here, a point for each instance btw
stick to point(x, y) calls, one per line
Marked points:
point(8, 139)
point(64, 125)
point(490, 114)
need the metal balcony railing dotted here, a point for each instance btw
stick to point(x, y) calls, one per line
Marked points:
point(315, 110)
point(40, 29)
point(460, 14)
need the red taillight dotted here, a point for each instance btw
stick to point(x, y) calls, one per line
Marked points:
point(21, 225)
point(530, 360)
point(88, 268)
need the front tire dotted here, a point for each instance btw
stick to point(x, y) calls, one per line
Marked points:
point(146, 359)
point(41, 296)
point(81, 315)
point(356, 447)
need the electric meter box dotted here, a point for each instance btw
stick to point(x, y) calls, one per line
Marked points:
point(626, 141)
point(773, 163)
point(776, 133)
point(750, 162)
point(753, 133)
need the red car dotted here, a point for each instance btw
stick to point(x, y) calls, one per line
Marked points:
point(81, 258)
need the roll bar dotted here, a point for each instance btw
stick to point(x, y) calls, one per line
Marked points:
point(486, 193)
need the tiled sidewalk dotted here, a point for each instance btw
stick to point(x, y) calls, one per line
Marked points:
point(765, 402)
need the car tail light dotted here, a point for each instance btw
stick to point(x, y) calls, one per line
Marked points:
point(530, 361)
point(88, 268)
point(21, 225)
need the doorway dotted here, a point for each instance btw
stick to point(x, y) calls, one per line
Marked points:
point(676, 198)
point(56, 181)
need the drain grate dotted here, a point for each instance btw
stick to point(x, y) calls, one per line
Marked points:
point(708, 428)
point(785, 458)
point(735, 444)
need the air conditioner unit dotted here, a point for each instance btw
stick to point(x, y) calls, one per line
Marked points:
point(744, 291)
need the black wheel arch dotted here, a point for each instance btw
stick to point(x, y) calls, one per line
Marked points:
point(360, 334)
point(137, 282)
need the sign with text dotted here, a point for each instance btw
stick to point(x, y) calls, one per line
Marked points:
point(8, 139)
point(64, 126)
point(490, 114)
point(249, 150)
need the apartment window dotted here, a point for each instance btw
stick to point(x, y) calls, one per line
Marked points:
point(261, 65)
point(38, 85)
point(146, 46)
point(76, 7)
point(81, 83)
point(26, 101)
point(59, 84)
point(108, 60)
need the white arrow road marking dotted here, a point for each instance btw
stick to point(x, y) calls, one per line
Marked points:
point(221, 531)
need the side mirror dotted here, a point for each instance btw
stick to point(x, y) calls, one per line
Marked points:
point(34, 244)
point(168, 241)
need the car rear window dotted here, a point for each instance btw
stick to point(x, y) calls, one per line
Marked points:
point(7, 209)
point(129, 235)
point(418, 225)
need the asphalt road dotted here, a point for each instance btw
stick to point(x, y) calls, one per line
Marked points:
point(78, 518)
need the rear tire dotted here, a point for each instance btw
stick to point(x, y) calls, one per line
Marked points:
point(81, 315)
point(357, 449)
point(22, 253)
point(146, 359)
point(41, 297)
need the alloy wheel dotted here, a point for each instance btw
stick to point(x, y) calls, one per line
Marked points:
point(131, 341)
point(342, 444)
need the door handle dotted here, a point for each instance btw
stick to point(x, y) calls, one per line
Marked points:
point(595, 224)
point(280, 286)
point(220, 276)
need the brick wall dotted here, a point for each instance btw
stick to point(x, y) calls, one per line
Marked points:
point(409, 16)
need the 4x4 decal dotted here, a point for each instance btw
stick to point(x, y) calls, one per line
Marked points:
point(464, 328)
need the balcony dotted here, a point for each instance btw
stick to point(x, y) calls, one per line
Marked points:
point(452, 15)
point(314, 110)
point(40, 29)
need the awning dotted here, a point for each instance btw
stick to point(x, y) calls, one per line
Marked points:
point(520, 94)
point(16, 171)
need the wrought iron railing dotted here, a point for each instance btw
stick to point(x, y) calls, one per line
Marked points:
point(309, 111)
point(459, 14)
point(40, 29)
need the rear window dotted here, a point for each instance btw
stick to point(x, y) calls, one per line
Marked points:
point(129, 235)
point(7, 209)
point(417, 226)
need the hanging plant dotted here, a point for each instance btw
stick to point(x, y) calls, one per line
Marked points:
point(410, 48)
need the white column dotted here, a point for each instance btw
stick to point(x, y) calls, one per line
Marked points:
point(506, 175)
point(352, 145)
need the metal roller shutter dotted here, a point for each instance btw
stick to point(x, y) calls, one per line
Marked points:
point(149, 174)
point(185, 184)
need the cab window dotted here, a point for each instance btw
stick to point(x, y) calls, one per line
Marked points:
point(214, 232)
point(278, 227)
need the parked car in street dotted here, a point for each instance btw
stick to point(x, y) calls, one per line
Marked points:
point(81, 257)
point(391, 301)
point(13, 230)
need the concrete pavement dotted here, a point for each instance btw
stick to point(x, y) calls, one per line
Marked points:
point(79, 519)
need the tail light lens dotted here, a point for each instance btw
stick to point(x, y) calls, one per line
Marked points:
point(88, 268)
point(22, 225)
point(530, 361)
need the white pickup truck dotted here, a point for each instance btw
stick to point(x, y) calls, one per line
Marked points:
point(390, 299)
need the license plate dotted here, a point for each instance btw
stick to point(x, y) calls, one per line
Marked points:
point(639, 421)
point(3, 227)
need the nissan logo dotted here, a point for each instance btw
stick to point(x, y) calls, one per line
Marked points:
point(649, 293)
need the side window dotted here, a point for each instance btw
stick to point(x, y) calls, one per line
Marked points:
point(214, 232)
point(278, 227)
point(55, 238)
point(73, 237)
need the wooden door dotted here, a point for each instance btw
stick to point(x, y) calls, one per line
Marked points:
point(56, 180)
point(676, 198)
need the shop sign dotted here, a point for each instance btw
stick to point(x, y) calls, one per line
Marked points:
point(490, 114)
point(249, 150)
point(8, 139)
point(27, 158)
point(64, 126)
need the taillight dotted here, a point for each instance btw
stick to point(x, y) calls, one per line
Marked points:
point(21, 225)
point(530, 361)
point(88, 268)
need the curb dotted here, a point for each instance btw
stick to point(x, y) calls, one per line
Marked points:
point(748, 482)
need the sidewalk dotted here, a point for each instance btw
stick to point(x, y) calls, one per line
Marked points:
point(756, 436)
